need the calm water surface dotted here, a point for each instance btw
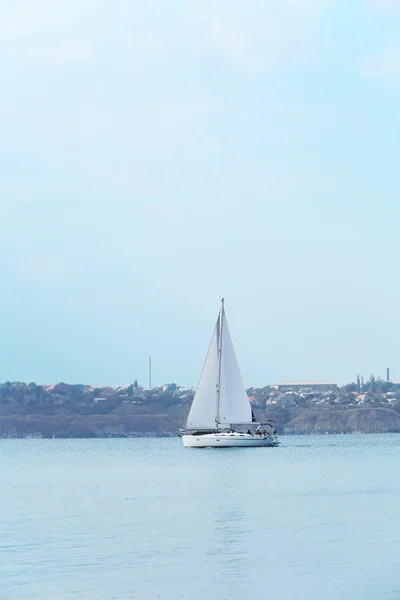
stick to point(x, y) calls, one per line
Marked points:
point(317, 518)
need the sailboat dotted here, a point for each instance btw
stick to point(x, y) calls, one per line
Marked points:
point(221, 415)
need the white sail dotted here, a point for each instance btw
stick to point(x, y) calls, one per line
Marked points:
point(233, 405)
point(203, 411)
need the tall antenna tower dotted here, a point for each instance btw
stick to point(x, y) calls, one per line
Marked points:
point(150, 372)
point(388, 374)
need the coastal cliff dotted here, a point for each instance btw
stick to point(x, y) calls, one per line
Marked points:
point(357, 420)
point(137, 420)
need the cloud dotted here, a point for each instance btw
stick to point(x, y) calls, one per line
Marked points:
point(383, 4)
point(257, 36)
point(96, 87)
point(252, 35)
point(72, 32)
point(121, 90)
point(54, 32)
point(384, 64)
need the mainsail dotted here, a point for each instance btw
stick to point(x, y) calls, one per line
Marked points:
point(202, 412)
point(221, 398)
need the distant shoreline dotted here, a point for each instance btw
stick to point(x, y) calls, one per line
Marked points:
point(173, 435)
point(66, 411)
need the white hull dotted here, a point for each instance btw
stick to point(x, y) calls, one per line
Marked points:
point(227, 440)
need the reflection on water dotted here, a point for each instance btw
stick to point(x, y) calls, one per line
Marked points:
point(228, 519)
point(316, 518)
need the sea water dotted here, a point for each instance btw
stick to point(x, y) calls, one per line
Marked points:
point(316, 518)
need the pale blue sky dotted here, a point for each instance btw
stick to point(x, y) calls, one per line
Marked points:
point(156, 155)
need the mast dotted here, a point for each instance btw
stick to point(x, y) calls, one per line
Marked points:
point(149, 372)
point(221, 321)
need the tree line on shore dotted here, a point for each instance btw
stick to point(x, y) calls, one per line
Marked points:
point(374, 392)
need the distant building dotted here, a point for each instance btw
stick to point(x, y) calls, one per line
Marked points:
point(123, 388)
point(169, 387)
point(58, 388)
point(107, 391)
point(305, 386)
